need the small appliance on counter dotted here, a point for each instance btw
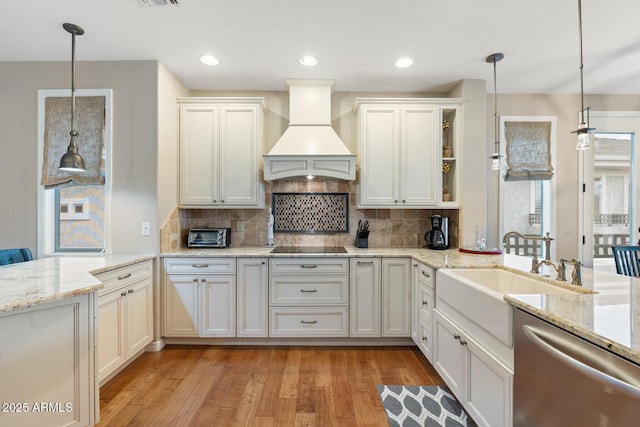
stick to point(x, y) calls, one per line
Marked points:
point(209, 238)
point(438, 236)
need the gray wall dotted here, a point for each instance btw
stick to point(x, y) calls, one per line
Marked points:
point(565, 108)
point(135, 136)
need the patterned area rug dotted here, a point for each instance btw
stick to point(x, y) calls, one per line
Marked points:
point(409, 406)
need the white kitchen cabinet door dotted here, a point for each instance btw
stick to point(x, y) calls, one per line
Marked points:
point(252, 303)
point(481, 383)
point(240, 141)
point(419, 148)
point(396, 297)
point(181, 305)
point(449, 355)
point(139, 319)
point(399, 155)
point(220, 144)
point(364, 297)
point(111, 345)
point(489, 395)
point(379, 129)
point(199, 148)
point(218, 302)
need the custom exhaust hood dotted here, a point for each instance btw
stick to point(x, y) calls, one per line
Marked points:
point(309, 146)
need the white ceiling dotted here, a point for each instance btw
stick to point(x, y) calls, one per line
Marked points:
point(356, 41)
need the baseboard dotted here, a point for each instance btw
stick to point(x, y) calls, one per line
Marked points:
point(156, 345)
point(369, 342)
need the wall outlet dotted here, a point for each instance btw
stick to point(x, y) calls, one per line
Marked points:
point(145, 229)
point(240, 226)
point(389, 227)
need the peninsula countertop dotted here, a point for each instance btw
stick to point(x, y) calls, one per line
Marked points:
point(31, 283)
point(609, 317)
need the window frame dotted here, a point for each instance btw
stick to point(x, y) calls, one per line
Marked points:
point(47, 208)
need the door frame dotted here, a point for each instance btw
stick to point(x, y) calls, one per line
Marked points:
point(585, 175)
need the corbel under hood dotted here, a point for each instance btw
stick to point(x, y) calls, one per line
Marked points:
point(309, 146)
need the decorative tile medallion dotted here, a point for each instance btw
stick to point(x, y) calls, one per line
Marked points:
point(311, 212)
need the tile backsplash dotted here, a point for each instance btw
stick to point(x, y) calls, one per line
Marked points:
point(389, 227)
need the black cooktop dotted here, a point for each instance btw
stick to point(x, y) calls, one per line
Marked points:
point(309, 250)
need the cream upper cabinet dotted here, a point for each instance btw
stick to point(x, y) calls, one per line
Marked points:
point(401, 152)
point(220, 145)
point(399, 155)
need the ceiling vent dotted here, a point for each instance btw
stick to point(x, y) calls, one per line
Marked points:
point(155, 3)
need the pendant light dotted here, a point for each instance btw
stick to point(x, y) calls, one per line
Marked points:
point(495, 157)
point(72, 161)
point(585, 133)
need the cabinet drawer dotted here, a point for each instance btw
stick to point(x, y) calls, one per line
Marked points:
point(301, 322)
point(308, 266)
point(426, 275)
point(426, 301)
point(124, 276)
point(200, 265)
point(309, 290)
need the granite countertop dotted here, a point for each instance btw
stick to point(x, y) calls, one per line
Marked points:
point(31, 283)
point(605, 311)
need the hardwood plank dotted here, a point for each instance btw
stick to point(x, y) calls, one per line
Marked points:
point(260, 386)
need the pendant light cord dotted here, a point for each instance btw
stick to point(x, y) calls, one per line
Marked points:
point(496, 145)
point(73, 83)
point(581, 62)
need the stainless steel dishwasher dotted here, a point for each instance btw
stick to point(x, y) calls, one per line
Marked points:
point(563, 380)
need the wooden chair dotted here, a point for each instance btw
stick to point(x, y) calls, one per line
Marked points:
point(627, 260)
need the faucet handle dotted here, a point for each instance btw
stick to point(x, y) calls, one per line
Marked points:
point(562, 268)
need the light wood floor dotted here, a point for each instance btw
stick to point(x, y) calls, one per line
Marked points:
point(260, 386)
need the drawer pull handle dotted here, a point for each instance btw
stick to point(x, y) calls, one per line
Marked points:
point(424, 273)
point(309, 322)
point(124, 276)
point(309, 291)
point(308, 266)
point(365, 262)
point(199, 265)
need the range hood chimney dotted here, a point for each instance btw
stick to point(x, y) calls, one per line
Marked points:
point(309, 147)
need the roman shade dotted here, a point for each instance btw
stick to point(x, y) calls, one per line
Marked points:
point(528, 151)
point(90, 124)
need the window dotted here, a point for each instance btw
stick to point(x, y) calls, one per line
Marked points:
point(74, 219)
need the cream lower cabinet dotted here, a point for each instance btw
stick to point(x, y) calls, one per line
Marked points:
point(422, 309)
point(220, 144)
point(199, 297)
point(399, 153)
point(125, 316)
point(364, 297)
point(309, 297)
point(396, 297)
point(252, 300)
point(481, 383)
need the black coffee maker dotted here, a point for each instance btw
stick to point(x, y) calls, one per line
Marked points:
point(438, 236)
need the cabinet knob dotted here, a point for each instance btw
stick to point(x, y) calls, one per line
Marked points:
point(456, 336)
point(215, 201)
point(263, 263)
point(425, 339)
point(404, 201)
point(462, 342)
point(425, 303)
point(222, 201)
point(195, 280)
point(123, 294)
point(395, 201)
point(203, 280)
point(130, 291)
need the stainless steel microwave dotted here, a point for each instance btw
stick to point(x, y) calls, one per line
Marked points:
point(209, 238)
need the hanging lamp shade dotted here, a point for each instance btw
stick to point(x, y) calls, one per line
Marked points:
point(72, 161)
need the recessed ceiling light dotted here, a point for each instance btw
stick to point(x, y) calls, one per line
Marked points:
point(404, 62)
point(308, 61)
point(209, 60)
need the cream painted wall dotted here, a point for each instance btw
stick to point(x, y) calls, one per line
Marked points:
point(565, 108)
point(135, 117)
point(169, 88)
